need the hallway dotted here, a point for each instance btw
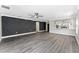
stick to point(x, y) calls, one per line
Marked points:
point(40, 43)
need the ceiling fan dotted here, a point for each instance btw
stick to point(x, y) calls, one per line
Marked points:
point(35, 15)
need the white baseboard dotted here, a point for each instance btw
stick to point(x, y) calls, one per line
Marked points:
point(21, 34)
point(42, 30)
point(17, 35)
point(77, 38)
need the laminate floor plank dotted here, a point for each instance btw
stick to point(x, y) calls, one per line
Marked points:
point(40, 43)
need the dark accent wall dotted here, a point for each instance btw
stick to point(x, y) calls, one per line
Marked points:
point(42, 25)
point(12, 26)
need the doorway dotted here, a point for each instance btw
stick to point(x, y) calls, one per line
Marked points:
point(47, 27)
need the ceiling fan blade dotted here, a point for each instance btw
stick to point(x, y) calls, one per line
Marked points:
point(35, 15)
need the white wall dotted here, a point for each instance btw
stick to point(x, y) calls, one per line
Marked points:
point(51, 26)
point(46, 26)
point(77, 27)
point(37, 27)
point(72, 24)
point(77, 30)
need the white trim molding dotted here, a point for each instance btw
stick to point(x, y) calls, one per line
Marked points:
point(21, 34)
point(17, 35)
point(42, 31)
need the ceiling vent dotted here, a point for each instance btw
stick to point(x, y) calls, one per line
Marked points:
point(6, 7)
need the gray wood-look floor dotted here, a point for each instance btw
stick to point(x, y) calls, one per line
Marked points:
point(40, 43)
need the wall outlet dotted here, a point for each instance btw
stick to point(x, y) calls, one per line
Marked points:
point(16, 32)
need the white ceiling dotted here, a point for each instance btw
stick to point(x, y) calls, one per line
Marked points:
point(52, 12)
